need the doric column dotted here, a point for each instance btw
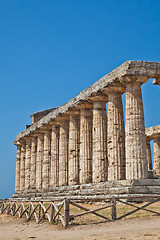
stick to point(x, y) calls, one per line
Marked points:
point(116, 134)
point(33, 163)
point(54, 177)
point(28, 164)
point(63, 152)
point(18, 160)
point(156, 156)
point(46, 159)
point(22, 166)
point(136, 158)
point(99, 133)
point(74, 142)
point(85, 158)
point(149, 156)
point(40, 156)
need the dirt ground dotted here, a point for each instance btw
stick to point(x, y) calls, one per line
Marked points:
point(139, 228)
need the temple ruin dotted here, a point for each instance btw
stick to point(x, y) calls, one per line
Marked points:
point(80, 150)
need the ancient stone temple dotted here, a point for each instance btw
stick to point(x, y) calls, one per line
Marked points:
point(79, 149)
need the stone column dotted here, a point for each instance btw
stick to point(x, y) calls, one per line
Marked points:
point(85, 159)
point(18, 161)
point(40, 156)
point(63, 152)
point(149, 156)
point(116, 134)
point(74, 142)
point(156, 154)
point(28, 164)
point(136, 158)
point(33, 163)
point(54, 178)
point(99, 154)
point(46, 159)
point(22, 166)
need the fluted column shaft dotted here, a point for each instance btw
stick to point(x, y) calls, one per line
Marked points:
point(54, 178)
point(63, 153)
point(28, 164)
point(86, 121)
point(40, 156)
point(116, 137)
point(136, 158)
point(149, 156)
point(74, 142)
point(18, 160)
point(156, 155)
point(22, 166)
point(99, 154)
point(33, 163)
point(46, 159)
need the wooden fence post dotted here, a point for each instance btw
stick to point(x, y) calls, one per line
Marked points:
point(113, 209)
point(8, 209)
point(52, 212)
point(66, 212)
point(39, 211)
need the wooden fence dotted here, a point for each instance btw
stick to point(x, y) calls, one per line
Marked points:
point(54, 212)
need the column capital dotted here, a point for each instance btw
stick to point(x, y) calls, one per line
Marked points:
point(98, 97)
point(55, 127)
point(62, 118)
point(84, 105)
point(34, 139)
point(22, 141)
point(45, 128)
point(17, 143)
point(148, 138)
point(156, 136)
point(73, 112)
point(114, 89)
point(40, 134)
point(54, 124)
point(134, 80)
point(28, 140)
point(156, 81)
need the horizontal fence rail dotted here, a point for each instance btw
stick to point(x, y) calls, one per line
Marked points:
point(60, 212)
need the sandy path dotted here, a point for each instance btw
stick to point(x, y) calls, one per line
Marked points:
point(144, 228)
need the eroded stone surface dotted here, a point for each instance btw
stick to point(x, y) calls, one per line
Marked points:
point(156, 153)
point(33, 163)
point(18, 161)
point(54, 178)
point(28, 164)
point(99, 154)
point(22, 166)
point(40, 156)
point(149, 156)
point(116, 137)
point(46, 159)
point(86, 144)
point(74, 147)
point(63, 153)
point(136, 158)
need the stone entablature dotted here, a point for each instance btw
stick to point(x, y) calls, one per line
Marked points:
point(78, 143)
point(39, 115)
point(138, 69)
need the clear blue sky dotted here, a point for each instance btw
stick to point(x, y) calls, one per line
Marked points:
point(51, 50)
